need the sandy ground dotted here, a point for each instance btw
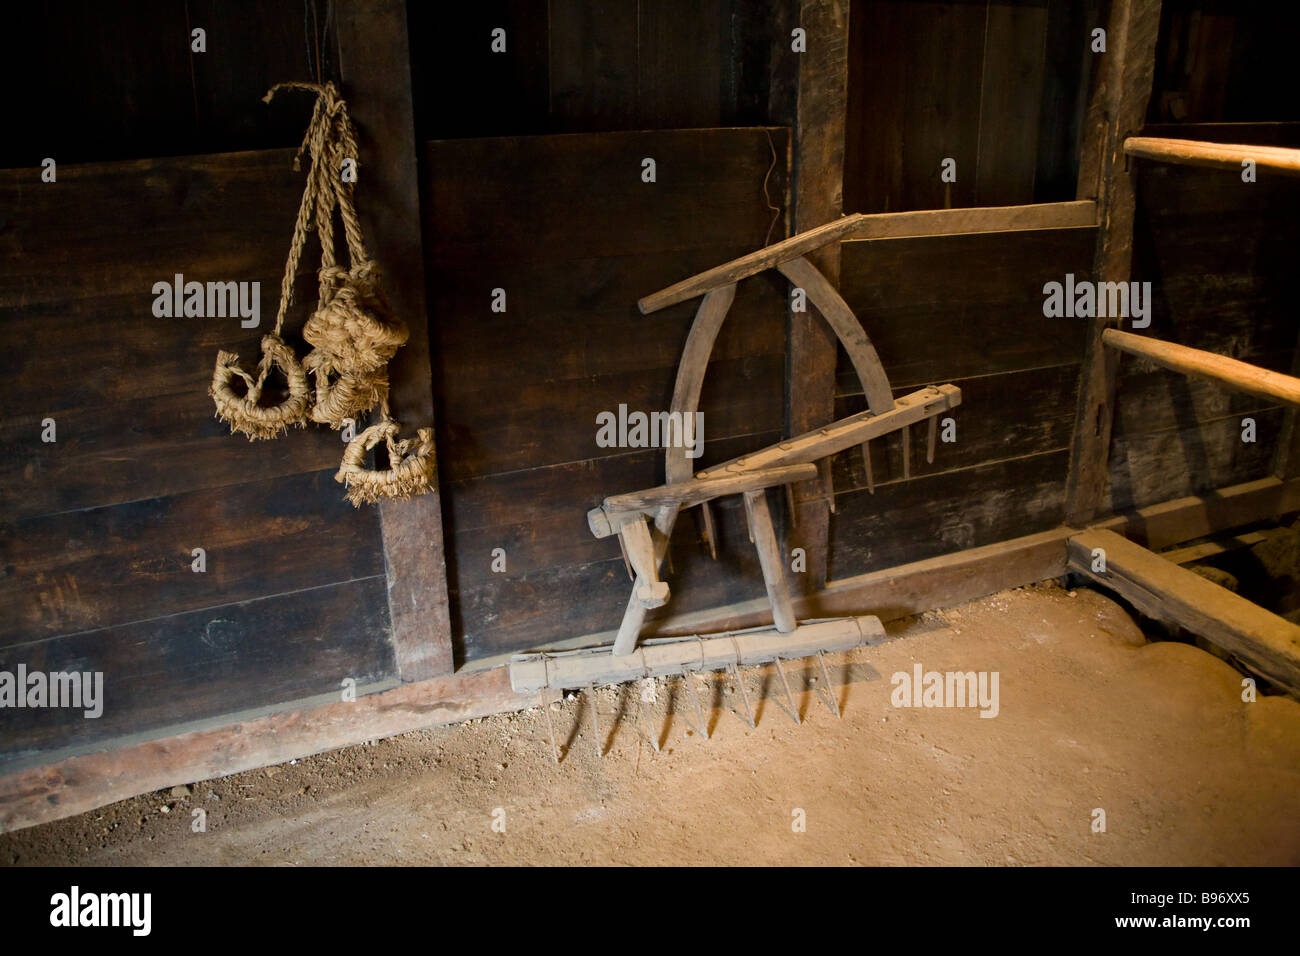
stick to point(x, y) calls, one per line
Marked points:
point(1090, 717)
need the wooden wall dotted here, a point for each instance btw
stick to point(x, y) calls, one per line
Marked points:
point(97, 527)
point(532, 185)
point(995, 86)
point(579, 66)
point(965, 310)
point(108, 81)
point(1225, 61)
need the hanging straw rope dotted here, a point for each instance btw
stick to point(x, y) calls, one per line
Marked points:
point(353, 332)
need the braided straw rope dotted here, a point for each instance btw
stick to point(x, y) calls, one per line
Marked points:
point(353, 332)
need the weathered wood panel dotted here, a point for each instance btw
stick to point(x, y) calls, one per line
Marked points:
point(95, 568)
point(928, 516)
point(993, 86)
point(950, 307)
point(991, 424)
point(99, 526)
point(1220, 254)
point(221, 660)
point(914, 100)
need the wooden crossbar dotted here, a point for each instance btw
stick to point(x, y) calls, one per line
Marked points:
point(1191, 152)
point(884, 225)
point(1232, 373)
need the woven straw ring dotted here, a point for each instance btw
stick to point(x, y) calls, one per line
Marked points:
point(245, 413)
point(410, 465)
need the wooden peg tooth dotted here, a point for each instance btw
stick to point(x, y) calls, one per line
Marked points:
point(907, 452)
point(866, 463)
point(710, 534)
point(789, 502)
point(929, 447)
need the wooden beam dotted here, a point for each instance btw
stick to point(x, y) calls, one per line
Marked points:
point(1229, 372)
point(843, 434)
point(372, 38)
point(1169, 523)
point(1264, 642)
point(1191, 152)
point(884, 225)
point(1213, 547)
point(1117, 110)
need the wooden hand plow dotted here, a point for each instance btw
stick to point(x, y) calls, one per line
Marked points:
point(644, 520)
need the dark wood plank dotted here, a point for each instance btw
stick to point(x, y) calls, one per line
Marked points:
point(556, 421)
point(951, 307)
point(1155, 466)
point(593, 66)
point(1068, 68)
point(708, 193)
point(372, 36)
point(915, 101)
point(201, 665)
point(926, 517)
point(109, 229)
point(82, 570)
point(679, 64)
point(1011, 93)
point(992, 424)
point(155, 446)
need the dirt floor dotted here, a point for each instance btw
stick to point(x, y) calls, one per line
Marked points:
point(1090, 717)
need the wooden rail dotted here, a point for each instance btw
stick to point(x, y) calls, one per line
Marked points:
point(1191, 152)
point(885, 225)
point(1241, 376)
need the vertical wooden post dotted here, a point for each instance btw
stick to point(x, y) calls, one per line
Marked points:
point(1117, 110)
point(374, 61)
point(817, 174)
